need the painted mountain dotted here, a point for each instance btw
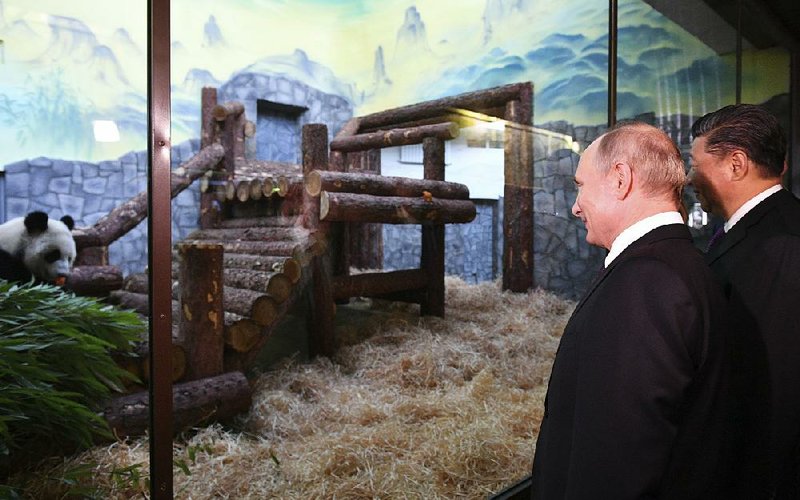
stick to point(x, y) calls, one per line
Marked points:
point(62, 71)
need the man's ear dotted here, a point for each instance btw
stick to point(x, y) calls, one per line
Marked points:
point(739, 165)
point(622, 179)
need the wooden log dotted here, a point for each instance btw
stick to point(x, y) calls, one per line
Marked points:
point(518, 198)
point(243, 190)
point(363, 241)
point(479, 101)
point(260, 307)
point(255, 189)
point(193, 403)
point(261, 168)
point(260, 233)
point(394, 137)
point(378, 284)
point(125, 217)
point(92, 256)
point(286, 265)
point(222, 111)
point(267, 187)
point(274, 248)
point(94, 281)
point(209, 134)
point(249, 129)
point(349, 128)
point(242, 335)
point(208, 124)
point(432, 254)
point(260, 222)
point(348, 207)
point(201, 319)
point(314, 145)
point(278, 285)
point(381, 185)
point(179, 361)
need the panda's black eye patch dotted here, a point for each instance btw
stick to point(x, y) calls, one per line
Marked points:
point(52, 256)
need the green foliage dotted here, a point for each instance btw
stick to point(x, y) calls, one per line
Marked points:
point(56, 369)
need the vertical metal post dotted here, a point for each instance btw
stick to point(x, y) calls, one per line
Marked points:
point(738, 51)
point(793, 177)
point(612, 62)
point(159, 227)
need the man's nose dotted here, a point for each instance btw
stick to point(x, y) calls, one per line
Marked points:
point(576, 209)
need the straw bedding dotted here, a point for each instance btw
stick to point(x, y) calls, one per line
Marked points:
point(410, 407)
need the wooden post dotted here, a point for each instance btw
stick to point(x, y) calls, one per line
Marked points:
point(209, 207)
point(365, 240)
point(518, 196)
point(432, 259)
point(201, 321)
point(92, 256)
point(321, 331)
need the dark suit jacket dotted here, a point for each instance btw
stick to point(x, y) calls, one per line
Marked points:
point(758, 264)
point(635, 399)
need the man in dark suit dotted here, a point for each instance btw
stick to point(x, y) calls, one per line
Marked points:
point(738, 159)
point(635, 399)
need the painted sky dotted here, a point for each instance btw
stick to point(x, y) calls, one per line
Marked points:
point(66, 64)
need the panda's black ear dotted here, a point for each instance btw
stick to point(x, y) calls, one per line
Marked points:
point(36, 222)
point(68, 221)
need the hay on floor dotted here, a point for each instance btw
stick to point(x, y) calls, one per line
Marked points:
point(411, 408)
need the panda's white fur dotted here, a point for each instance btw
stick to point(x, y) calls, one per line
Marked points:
point(45, 246)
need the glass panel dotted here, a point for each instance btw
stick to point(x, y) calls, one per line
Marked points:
point(73, 94)
point(676, 62)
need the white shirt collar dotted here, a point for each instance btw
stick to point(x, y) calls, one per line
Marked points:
point(639, 229)
point(751, 204)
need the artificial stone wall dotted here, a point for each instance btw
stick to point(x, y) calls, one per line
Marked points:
point(285, 99)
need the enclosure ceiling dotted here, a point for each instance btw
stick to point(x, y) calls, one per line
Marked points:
point(767, 23)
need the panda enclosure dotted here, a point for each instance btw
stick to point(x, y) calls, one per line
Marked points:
point(276, 236)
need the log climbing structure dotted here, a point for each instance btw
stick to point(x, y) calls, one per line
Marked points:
point(274, 234)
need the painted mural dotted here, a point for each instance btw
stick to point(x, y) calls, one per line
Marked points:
point(71, 67)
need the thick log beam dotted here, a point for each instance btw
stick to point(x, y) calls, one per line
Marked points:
point(242, 335)
point(286, 265)
point(382, 185)
point(518, 198)
point(394, 137)
point(315, 157)
point(209, 130)
point(432, 256)
point(261, 233)
point(92, 256)
point(94, 281)
point(125, 217)
point(278, 285)
point(321, 328)
point(260, 222)
point(479, 100)
point(201, 319)
point(378, 284)
point(349, 207)
point(222, 111)
point(273, 248)
point(259, 306)
point(247, 167)
point(193, 403)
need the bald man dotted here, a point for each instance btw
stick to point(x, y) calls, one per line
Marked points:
point(635, 402)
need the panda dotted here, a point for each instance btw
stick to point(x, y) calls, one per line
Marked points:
point(36, 246)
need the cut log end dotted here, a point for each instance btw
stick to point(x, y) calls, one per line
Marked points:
point(313, 183)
